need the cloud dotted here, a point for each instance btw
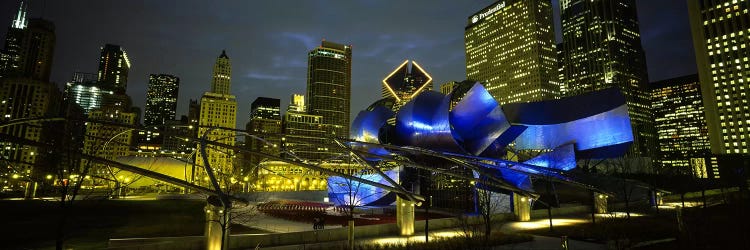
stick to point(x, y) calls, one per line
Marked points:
point(307, 40)
point(263, 76)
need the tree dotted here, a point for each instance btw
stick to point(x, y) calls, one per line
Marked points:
point(489, 205)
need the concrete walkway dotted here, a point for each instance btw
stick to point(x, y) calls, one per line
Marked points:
point(276, 225)
point(272, 224)
point(539, 242)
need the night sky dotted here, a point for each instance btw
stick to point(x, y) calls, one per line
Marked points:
point(268, 41)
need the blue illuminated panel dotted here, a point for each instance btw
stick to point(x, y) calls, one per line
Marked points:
point(477, 120)
point(602, 130)
point(342, 191)
point(562, 158)
point(423, 122)
point(368, 124)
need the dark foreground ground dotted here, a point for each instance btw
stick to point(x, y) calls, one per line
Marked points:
point(721, 226)
point(33, 224)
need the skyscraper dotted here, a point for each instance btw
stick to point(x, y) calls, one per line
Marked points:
point(329, 84)
point(218, 109)
point(10, 56)
point(26, 92)
point(510, 49)
point(37, 49)
point(681, 127)
point(84, 91)
point(602, 48)
point(111, 119)
point(113, 68)
point(720, 30)
point(405, 82)
point(265, 125)
point(161, 99)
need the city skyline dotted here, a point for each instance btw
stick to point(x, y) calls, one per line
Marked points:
point(269, 55)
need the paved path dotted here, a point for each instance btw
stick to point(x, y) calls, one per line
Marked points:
point(265, 222)
point(272, 224)
point(539, 242)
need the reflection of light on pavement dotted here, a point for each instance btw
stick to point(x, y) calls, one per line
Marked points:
point(618, 215)
point(415, 238)
point(397, 240)
point(672, 205)
point(544, 223)
point(447, 234)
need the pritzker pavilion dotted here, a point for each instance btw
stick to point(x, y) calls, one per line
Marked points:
point(467, 135)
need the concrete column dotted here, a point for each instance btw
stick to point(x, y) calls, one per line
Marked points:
point(600, 203)
point(521, 207)
point(30, 190)
point(405, 216)
point(213, 231)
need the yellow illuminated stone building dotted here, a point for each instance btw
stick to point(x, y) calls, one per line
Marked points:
point(107, 141)
point(510, 49)
point(218, 109)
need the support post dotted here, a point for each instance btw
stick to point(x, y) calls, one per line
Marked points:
point(600, 203)
point(215, 221)
point(350, 234)
point(521, 207)
point(30, 190)
point(405, 216)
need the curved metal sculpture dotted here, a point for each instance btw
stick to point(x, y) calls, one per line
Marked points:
point(477, 129)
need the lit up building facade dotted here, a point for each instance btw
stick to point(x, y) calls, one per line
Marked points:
point(405, 82)
point(176, 138)
point(510, 49)
point(265, 125)
point(447, 87)
point(22, 97)
point(684, 147)
point(265, 108)
point(114, 66)
point(282, 176)
point(84, 91)
point(304, 134)
point(107, 141)
point(218, 109)
point(329, 86)
point(720, 30)
point(601, 49)
point(161, 99)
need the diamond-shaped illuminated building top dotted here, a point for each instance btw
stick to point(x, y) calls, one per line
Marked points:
point(405, 82)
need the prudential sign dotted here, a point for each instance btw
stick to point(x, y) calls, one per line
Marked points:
point(487, 13)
